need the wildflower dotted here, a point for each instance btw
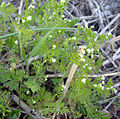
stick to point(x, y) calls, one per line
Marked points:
point(108, 88)
point(90, 68)
point(95, 85)
point(23, 21)
point(29, 18)
point(10, 68)
point(86, 64)
point(50, 17)
point(83, 80)
point(82, 59)
point(81, 55)
point(54, 46)
point(109, 33)
point(92, 50)
point(103, 77)
point(88, 50)
point(28, 92)
point(16, 42)
point(2, 3)
point(46, 78)
point(74, 38)
point(69, 20)
point(101, 86)
point(34, 102)
point(83, 66)
point(59, 31)
point(50, 36)
point(92, 56)
point(92, 27)
point(103, 82)
point(31, 6)
point(53, 60)
point(81, 49)
point(63, 16)
point(53, 13)
point(63, 86)
point(115, 90)
point(63, 1)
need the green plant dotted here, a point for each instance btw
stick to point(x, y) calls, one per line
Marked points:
point(55, 46)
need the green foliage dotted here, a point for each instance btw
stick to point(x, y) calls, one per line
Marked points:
point(45, 32)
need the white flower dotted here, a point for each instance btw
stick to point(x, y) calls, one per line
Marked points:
point(63, 86)
point(63, 16)
point(53, 60)
point(2, 3)
point(86, 64)
point(95, 32)
point(103, 82)
point(83, 80)
point(90, 68)
point(31, 6)
point(74, 38)
point(88, 50)
point(69, 20)
point(50, 17)
point(82, 59)
point(92, 56)
point(34, 102)
point(63, 1)
point(54, 46)
point(53, 13)
point(95, 85)
point(81, 49)
point(16, 42)
point(109, 33)
point(115, 90)
point(59, 31)
point(81, 55)
point(101, 86)
point(46, 78)
point(10, 68)
point(92, 27)
point(50, 36)
point(23, 21)
point(92, 50)
point(28, 92)
point(103, 77)
point(29, 18)
point(83, 66)
point(108, 88)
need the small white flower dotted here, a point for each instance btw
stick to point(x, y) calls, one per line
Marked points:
point(109, 33)
point(74, 38)
point(13, 65)
point(54, 46)
point(32, 6)
point(16, 42)
point(2, 3)
point(95, 85)
point(90, 68)
point(115, 90)
point(28, 92)
point(92, 50)
point(53, 60)
point(50, 17)
point(29, 18)
point(111, 86)
point(63, 86)
point(53, 13)
point(92, 56)
point(63, 1)
point(59, 31)
point(50, 36)
point(34, 102)
point(82, 59)
point(69, 20)
point(33, 110)
point(83, 80)
point(92, 27)
point(81, 55)
point(95, 32)
point(23, 21)
point(103, 82)
point(10, 68)
point(63, 16)
point(108, 88)
point(86, 64)
point(103, 77)
point(88, 50)
point(83, 66)
point(102, 87)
